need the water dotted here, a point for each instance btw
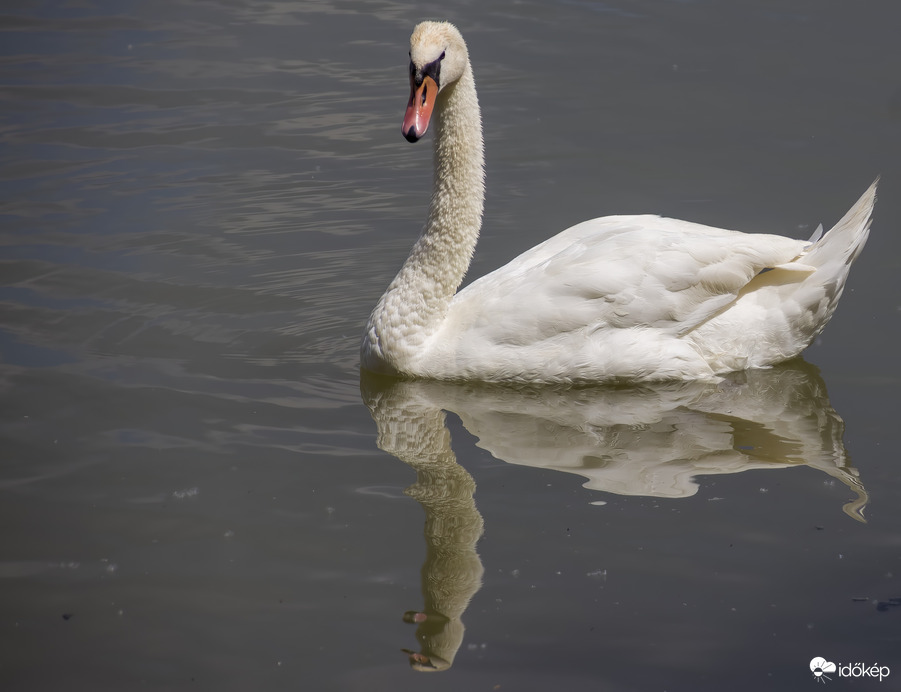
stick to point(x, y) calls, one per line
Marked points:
point(200, 204)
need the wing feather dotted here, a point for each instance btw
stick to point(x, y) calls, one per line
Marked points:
point(619, 272)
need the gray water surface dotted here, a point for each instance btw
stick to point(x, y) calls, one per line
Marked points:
point(201, 202)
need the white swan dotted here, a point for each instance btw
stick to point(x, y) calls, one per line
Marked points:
point(616, 298)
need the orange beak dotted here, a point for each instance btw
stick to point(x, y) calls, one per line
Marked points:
point(419, 109)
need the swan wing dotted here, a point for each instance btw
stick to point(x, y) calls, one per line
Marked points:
point(619, 272)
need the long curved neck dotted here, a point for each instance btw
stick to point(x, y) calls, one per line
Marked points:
point(443, 252)
point(417, 301)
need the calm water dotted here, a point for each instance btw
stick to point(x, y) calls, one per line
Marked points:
point(200, 204)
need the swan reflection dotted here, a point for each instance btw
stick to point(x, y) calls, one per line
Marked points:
point(651, 440)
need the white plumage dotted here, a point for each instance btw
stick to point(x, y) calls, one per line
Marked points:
point(616, 298)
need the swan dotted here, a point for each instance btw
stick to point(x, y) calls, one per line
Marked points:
point(617, 298)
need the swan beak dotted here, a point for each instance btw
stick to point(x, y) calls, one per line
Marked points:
point(419, 109)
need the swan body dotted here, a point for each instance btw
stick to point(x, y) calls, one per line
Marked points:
point(618, 298)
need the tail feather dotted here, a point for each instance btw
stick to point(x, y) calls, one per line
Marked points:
point(844, 241)
point(831, 257)
point(817, 234)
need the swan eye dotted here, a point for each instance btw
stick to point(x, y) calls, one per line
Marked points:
point(441, 57)
point(432, 69)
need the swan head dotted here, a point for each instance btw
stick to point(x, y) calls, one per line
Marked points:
point(438, 57)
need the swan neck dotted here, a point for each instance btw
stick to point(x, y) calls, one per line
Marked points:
point(455, 212)
point(416, 303)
